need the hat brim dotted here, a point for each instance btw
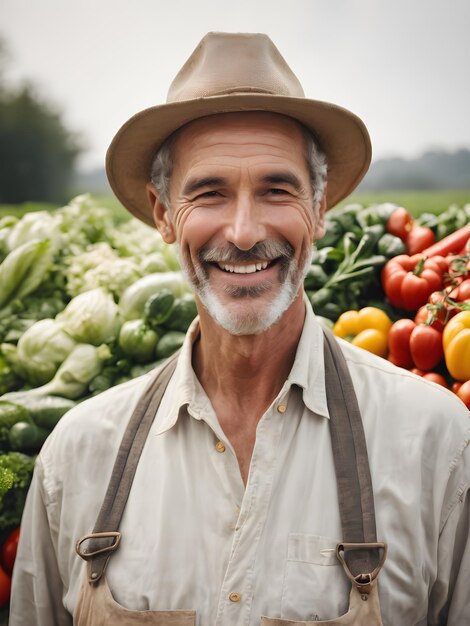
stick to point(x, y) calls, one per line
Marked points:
point(341, 135)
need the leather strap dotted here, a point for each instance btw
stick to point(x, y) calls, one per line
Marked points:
point(354, 483)
point(349, 451)
point(105, 538)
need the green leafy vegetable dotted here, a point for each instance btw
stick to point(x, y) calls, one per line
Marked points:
point(16, 470)
point(73, 376)
point(91, 317)
point(41, 349)
point(23, 269)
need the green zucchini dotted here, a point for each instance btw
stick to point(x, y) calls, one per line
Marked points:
point(45, 411)
point(158, 307)
point(182, 313)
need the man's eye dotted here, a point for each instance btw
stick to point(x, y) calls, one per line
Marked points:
point(209, 194)
point(278, 192)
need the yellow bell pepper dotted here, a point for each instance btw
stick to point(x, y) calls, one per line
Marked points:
point(456, 343)
point(367, 329)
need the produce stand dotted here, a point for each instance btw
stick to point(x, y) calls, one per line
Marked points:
point(86, 304)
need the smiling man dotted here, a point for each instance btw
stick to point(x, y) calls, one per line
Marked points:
point(267, 475)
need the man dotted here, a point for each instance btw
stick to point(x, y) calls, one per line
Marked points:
point(235, 510)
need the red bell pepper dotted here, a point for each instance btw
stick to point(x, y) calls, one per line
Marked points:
point(408, 281)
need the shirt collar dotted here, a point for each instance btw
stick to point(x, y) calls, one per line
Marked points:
point(308, 373)
point(308, 370)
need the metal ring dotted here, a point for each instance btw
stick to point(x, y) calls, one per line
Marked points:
point(105, 535)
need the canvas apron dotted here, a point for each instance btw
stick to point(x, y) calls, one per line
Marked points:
point(360, 554)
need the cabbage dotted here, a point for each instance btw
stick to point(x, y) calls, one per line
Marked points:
point(41, 349)
point(154, 262)
point(91, 317)
point(73, 376)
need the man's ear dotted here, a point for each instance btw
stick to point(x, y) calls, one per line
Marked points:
point(320, 223)
point(161, 215)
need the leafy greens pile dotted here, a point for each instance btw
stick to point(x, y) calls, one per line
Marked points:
point(63, 277)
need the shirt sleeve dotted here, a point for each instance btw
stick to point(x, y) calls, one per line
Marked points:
point(37, 587)
point(450, 597)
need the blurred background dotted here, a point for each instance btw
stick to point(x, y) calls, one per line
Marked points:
point(71, 73)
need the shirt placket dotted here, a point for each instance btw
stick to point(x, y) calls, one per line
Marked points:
point(236, 593)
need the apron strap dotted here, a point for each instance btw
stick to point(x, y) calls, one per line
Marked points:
point(354, 484)
point(105, 538)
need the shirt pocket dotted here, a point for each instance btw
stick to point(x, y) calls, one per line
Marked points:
point(315, 586)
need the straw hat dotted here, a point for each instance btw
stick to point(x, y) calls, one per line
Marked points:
point(230, 72)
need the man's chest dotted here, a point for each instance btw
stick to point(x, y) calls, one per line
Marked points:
point(195, 538)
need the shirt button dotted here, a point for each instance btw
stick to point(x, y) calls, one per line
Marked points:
point(282, 408)
point(219, 446)
point(235, 597)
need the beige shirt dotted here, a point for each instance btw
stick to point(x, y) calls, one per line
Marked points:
point(192, 535)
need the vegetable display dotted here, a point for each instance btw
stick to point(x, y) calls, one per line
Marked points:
point(86, 304)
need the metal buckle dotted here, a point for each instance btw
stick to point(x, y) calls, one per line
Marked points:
point(363, 582)
point(87, 556)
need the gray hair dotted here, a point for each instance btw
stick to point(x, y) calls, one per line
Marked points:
point(162, 167)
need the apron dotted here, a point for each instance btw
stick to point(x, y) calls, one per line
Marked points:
point(360, 554)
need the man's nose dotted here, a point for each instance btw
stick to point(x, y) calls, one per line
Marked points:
point(245, 227)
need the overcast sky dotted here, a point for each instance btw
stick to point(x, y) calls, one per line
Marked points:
point(401, 65)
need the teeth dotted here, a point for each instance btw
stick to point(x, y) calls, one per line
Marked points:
point(244, 269)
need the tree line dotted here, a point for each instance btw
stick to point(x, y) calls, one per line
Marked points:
point(37, 151)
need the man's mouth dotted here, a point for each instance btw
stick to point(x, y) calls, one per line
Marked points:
point(236, 268)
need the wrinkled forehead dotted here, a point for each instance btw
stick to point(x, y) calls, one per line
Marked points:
point(234, 125)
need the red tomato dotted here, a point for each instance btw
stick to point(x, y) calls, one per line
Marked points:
point(424, 314)
point(436, 378)
point(426, 347)
point(464, 393)
point(400, 223)
point(438, 307)
point(419, 238)
point(462, 292)
point(10, 546)
point(415, 290)
point(5, 587)
point(456, 386)
point(399, 343)
point(415, 370)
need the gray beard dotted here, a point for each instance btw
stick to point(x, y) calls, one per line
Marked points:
point(254, 320)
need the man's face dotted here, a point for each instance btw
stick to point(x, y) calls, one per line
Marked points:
point(241, 214)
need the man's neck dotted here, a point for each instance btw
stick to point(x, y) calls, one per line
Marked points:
point(247, 370)
point(242, 375)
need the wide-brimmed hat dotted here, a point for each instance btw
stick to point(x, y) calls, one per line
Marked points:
point(230, 72)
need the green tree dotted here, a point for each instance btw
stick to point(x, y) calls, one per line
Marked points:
point(37, 152)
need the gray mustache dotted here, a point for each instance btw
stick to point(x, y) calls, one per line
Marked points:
point(262, 251)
